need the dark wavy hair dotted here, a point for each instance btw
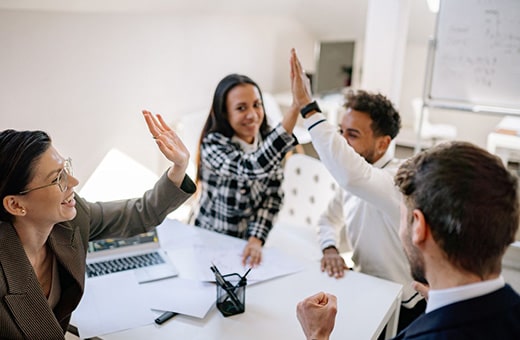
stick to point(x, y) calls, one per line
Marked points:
point(19, 151)
point(469, 200)
point(385, 118)
point(217, 120)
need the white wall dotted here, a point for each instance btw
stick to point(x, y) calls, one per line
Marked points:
point(84, 77)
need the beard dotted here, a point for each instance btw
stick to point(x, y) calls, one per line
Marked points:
point(370, 156)
point(415, 259)
point(417, 269)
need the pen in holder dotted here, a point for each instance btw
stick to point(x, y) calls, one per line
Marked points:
point(231, 292)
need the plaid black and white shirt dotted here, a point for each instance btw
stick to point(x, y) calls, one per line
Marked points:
point(241, 192)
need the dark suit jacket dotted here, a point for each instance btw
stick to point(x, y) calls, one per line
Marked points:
point(491, 316)
point(24, 310)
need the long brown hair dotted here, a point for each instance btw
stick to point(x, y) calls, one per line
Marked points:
point(217, 120)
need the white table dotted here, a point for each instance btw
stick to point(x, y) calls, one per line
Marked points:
point(366, 303)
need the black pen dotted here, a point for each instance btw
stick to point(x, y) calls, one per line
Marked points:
point(243, 279)
point(247, 272)
point(227, 286)
point(165, 317)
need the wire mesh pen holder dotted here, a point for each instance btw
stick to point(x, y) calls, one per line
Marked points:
point(231, 294)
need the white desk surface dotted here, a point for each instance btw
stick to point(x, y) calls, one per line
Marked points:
point(365, 303)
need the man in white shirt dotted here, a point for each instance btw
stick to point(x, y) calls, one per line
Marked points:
point(460, 211)
point(366, 206)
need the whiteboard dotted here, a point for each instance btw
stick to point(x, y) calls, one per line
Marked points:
point(476, 55)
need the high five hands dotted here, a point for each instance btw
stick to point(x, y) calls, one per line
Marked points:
point(301, 92)
point(300, 83)
point(170, 145)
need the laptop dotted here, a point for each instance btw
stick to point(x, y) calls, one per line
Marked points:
point(141, 254)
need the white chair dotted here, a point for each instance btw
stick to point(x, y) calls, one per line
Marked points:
point(429, 131)
point(504, 140)
point(308, 187)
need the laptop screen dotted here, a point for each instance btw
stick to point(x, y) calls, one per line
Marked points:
point(111, 243)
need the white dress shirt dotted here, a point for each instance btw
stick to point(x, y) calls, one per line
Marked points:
point(367, 209)
point(443, 297)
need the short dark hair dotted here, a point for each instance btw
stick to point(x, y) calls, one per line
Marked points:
point(468, 198)
point(217, 120)
point(19, 151)
point(385, 118)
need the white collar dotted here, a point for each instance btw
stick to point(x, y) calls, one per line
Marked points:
point(246, 147)
point(443, 297)
point(385, 159)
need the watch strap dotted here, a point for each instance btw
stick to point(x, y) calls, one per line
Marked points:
point(312, 106)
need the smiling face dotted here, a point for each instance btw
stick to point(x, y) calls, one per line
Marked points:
point(245, 111)
point(49, 205)
point(356, 129)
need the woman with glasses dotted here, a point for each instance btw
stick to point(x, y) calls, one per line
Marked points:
point(45, 227)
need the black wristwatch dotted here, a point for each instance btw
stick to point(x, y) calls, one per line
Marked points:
point(312, 106)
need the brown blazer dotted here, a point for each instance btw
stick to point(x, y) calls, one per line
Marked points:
point(24, 310)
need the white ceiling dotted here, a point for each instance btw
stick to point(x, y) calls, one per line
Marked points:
point(326, 19)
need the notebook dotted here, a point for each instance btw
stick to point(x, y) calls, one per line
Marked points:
point(141, 254)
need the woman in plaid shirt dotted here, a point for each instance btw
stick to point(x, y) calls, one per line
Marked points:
point(239, 165)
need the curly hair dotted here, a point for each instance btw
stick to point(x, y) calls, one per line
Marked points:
point(385, 118)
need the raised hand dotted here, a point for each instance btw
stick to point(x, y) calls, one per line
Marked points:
point(301, 92)
point(170, 145)
point(300, 83)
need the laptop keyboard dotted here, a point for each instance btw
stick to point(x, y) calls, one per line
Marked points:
point(123, 263)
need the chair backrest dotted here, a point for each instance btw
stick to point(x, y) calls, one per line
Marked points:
point(308, 188)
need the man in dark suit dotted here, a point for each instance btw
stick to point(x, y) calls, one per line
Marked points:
point(460, 212)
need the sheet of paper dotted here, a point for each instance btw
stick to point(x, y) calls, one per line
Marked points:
point(193, 250)
point(228, 260)
point(110, 304)
point(183, 296)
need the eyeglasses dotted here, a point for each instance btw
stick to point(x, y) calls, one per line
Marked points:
point(62, 181)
